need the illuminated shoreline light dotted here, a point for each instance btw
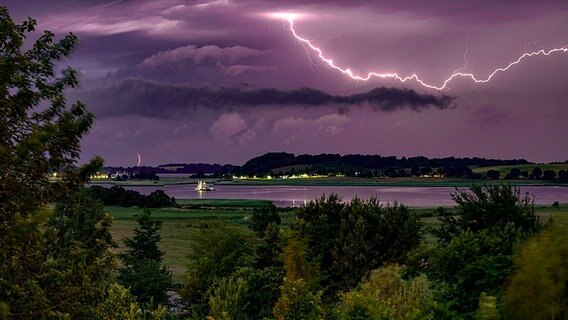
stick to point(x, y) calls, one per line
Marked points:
point(291, 17)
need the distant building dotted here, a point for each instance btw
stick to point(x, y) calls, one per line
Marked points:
point(120, 174)
point(100, 175)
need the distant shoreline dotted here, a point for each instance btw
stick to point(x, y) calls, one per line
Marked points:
point(332, 181)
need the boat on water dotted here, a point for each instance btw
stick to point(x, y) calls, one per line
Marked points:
point(204, 186)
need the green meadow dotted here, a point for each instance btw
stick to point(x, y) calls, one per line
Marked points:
point(178, 223)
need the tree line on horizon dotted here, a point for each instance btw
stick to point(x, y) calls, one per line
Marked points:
point(363, 165)
point(274, 160)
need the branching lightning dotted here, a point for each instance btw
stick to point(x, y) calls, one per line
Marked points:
point(458, 73)
point(465, 62)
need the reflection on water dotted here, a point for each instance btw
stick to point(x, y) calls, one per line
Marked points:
point(296, 196)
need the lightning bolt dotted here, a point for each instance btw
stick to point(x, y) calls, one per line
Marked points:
point(458, 73)
point(139, 160)
point(465, 62)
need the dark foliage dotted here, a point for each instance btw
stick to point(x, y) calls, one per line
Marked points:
point(144, 244)
point(365, 164)
point(78, 218)
point(146, 176)
point(514, 173)
point(216, 252)
point(469, 265)
point(493, 174)
point(538, 286)
point(130, 198)
point(347, 240)
point(562, 176)
point(54, 264)
point(142, 269)
point(477, 245)
point(36, 144)
point(215, 169)
point(536, 173)
point(268, 161)
point(262, 218)
point(496, 208)
point(157, 199)
point(117, 195)
point(549, 175)
point(265, 274)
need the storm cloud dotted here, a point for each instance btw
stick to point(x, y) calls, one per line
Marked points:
point(224, 81)
point(152, 99)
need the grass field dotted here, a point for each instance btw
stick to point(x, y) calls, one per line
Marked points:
point(121, 213)
point(178, 223)
point(175, 239)
point(224, 203)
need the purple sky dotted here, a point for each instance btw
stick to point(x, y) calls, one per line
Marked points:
point(216, 81)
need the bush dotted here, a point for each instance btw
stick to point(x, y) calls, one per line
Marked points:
point(470, 264)
point(130, 198)
point(347, 240)
point(476, 246)
point(263, 290)
point(261, 218)
point(297, 302)
point(539, 286)
point(493, 174)
point(228, 299)
point(157, 199)
point(215, 252)
point(497, 208)
point(117, 195)
point(386, 295)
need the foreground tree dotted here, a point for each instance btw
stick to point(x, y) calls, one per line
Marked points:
point(142, 269)
point(470, 265)
point(476, 247)
point(228, 299)
point(539, 286)
point(216, 252)
point(500, 209)
point(262, 218)
point(386, 295)
point(82, 263)
point(348, 240)
point(298, 302)
point(53, 265)
point(36, 143)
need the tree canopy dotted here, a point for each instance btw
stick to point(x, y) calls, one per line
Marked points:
point(348, 240)
point(56, 263)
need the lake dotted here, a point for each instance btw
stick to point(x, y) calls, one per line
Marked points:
point(299, 195)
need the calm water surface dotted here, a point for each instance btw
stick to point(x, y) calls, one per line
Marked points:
point(298, 195)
